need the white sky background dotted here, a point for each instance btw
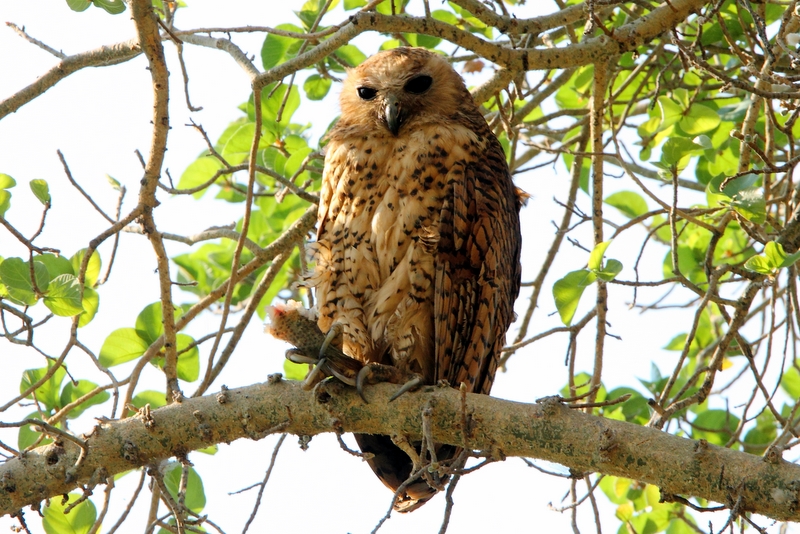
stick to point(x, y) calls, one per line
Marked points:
point(99, 116)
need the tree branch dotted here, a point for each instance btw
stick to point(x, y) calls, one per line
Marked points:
point(548, 430)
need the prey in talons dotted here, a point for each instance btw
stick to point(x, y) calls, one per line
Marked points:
point(293, 323)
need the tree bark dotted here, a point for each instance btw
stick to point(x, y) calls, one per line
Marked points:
point(547, 429)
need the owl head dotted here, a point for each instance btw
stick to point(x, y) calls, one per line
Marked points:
point(397, 90)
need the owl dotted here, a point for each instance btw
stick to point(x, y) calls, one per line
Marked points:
point(418, 237)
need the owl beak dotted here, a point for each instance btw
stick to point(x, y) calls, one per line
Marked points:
point(392, 114)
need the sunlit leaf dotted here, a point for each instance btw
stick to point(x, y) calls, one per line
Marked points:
point(200, 171)
point(5, 202)
point(596, 257)
point(671, 112)
point(567, 292)
point(700, 119)
point(79, 5)
point(41, 190)
point(64, 296)
point(78, 521)
point(316, 87)
point(278, 48)
point(294, 371)
point(49, 392)
point(6, 181)
point(73, 392)
point(90, 304)
point(629, 203)
point(122, 345)
point(195, 498)
point(92, 268)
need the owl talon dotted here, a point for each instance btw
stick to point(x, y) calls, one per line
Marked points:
point(314, 376)
point(298, 356)
point(375, 372)
point(408, 386)
point(362, 376)
point(334, 332)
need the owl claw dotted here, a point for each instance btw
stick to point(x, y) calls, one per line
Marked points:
point(313, 376)
point(375, 372)
point(408, 386)
point(298, 356)
point(334, 332)
point(362, 376)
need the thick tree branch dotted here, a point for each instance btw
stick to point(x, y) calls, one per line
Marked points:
point(548, 430)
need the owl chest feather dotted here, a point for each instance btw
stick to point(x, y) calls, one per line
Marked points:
point(378, 230)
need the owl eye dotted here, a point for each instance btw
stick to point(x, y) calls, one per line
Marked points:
point(366, 93)
point(419, 85)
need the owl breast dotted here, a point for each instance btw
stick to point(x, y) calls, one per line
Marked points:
point(377, 241)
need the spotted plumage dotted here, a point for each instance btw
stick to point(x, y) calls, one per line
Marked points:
point(418, 239)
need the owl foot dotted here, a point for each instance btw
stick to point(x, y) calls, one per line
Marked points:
point(334, 363)
point(372, 373)
point(335, 331)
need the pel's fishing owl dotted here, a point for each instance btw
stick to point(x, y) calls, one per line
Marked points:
point(418, 241)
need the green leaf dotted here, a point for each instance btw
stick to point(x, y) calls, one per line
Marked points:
point(351, 55)
point(78, 521)
point(704, 142)
point(610, 271)
point(295, 161)
point(715, 426)
point(72, 392)
point(445, 16)
point(15, 274)
point(751, 204)
point(150, 323)
point(28, 436)
point(114, 7)
point(79, 5)
point(354, 4)
point(773, 258)
point(114, 182)
point(671, 112)
point(759, 264)
point(6, 181)
point(629, 203)
point(278, 49)
point(316, 87)
point(199, 172)
point(92, 268)
point(41, 190)
point(64, 296)
point(615, 488)
point(90, 304)
point(56, 265)
point(154, 398)
point(734, 186)
point(596, 257)
point(700, 119)
point(48, 392)
point(287, 105)
point(567, 292)
point(677, 148)
point(294, 371)
point(774, 253)
point(195, 494)
point(5, 202)
point(122, 345)
point(188, 368)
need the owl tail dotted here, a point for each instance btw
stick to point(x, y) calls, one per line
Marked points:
point(393, 467)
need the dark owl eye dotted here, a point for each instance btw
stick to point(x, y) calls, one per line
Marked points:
point(366, 93)
point(419, 85)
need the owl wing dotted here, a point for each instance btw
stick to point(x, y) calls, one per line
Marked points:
point(477, 270)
